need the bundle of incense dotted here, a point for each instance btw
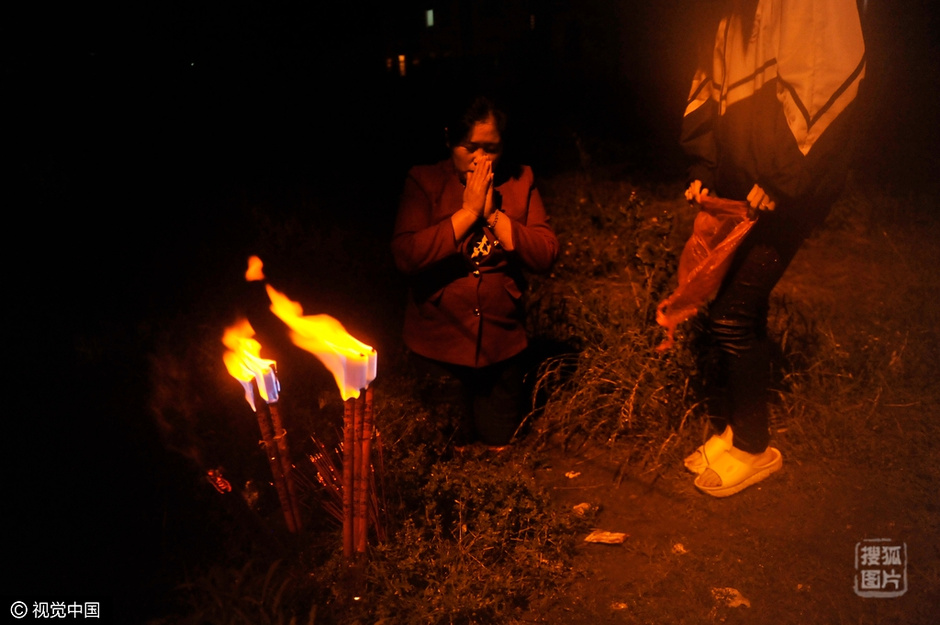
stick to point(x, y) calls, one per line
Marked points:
point(357, 450)
point(330, 478)
point(274, 437)
point(327, 465)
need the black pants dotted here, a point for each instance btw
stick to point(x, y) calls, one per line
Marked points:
point(738, 323)
point(479, 404)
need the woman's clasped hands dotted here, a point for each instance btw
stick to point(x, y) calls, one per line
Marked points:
point(478, 194)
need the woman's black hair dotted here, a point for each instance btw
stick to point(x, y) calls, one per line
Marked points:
point(475, 109)
point(462, 119)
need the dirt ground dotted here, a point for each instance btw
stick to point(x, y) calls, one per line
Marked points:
point(787, 546)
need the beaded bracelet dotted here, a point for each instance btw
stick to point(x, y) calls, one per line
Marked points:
point(495, 219)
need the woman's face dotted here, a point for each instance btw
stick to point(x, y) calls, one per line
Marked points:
point(483, 142)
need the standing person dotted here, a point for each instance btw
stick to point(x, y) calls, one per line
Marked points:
point(769, 120)
point(466, 229)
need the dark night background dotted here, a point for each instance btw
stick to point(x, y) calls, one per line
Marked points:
point(131, 132)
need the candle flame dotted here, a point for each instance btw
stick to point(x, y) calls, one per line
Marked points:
point(244, 363)
point(254, 272)
point(352, 362)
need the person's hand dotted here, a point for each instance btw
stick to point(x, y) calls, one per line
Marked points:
point(478, 194)
point(488, 206)
point(759, 201)
point(695, 193)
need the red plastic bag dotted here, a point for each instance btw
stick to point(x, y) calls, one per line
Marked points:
point(719, 228)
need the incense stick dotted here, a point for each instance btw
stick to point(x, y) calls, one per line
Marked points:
point(365, 466)
point(360, 462)
point(349, 444)
point(280, 437)
point(270, 447)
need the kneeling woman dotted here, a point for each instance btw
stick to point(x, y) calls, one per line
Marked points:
point(467, 227)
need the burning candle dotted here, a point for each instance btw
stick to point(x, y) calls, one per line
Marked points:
point(353, 365)
point(244, 363)
point(352, 362)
